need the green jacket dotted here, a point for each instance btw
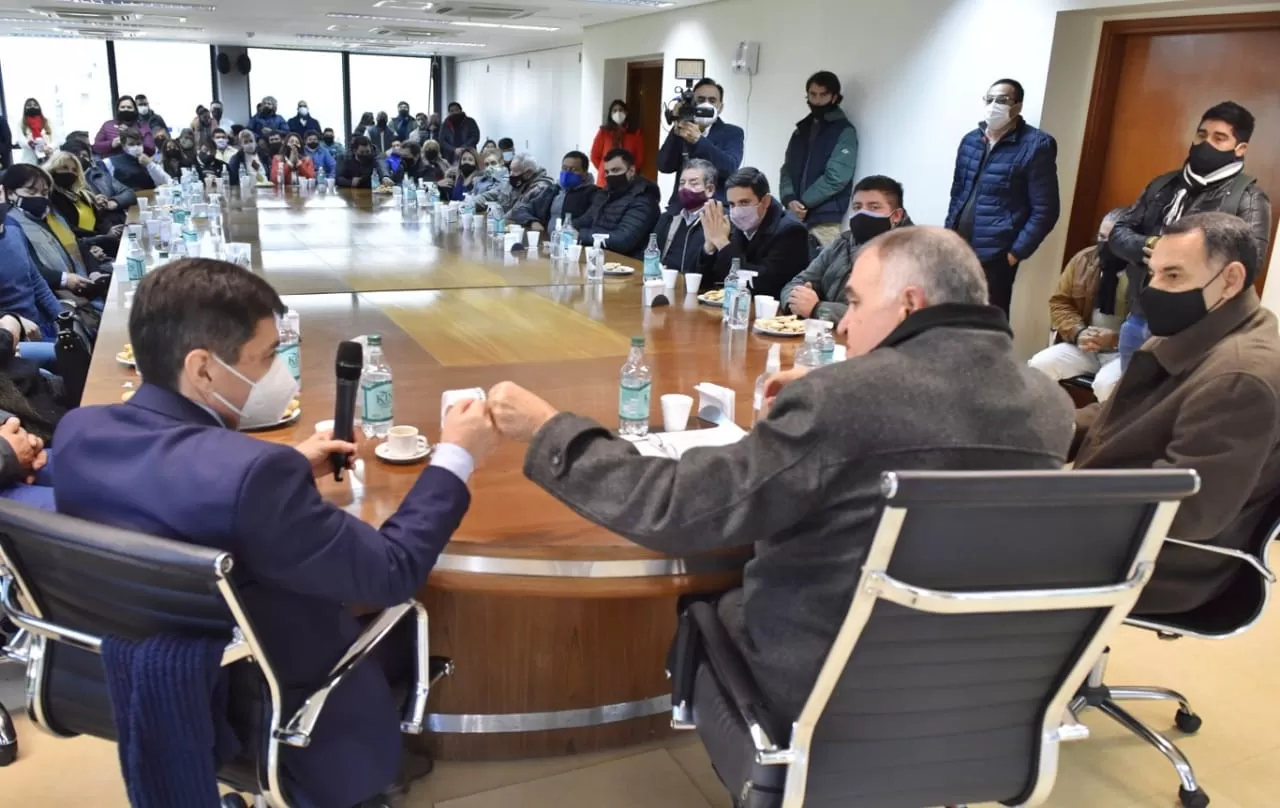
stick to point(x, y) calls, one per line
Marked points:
point(829, 273)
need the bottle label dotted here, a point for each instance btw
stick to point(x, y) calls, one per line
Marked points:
point(137, 267)
point(292, 356)
point(375, 401)
point(651, 268)
point(633, 402)
point(179, 216)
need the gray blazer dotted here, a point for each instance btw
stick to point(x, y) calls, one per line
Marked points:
point(944, 391)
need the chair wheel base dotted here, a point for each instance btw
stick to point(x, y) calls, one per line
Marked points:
point(1187, 722)
point(8, 753)
point(1193, 799)
point(233, 801)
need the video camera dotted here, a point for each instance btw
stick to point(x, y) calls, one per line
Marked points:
point(682, 107)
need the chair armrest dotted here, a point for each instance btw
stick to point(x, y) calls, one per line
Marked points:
point(297, 732)
point(1238, 555)
point(730, 670)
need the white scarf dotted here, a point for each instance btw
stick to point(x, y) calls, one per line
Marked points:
point(1190, 180)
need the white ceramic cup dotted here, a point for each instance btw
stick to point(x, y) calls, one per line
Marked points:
point(532, 237)
point(675, 412)
point(669, 277)
point(766, 307)
point(404, 441)
point(324, 426)
point(692, 282)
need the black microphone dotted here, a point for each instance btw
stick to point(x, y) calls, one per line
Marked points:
point(347, 367)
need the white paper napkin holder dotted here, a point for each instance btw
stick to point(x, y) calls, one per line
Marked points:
point(716, 403)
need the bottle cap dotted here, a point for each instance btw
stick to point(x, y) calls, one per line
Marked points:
point(637, 342)
point(375, 339)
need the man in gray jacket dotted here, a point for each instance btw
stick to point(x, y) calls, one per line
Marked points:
point(804, 485)
point(817, 293)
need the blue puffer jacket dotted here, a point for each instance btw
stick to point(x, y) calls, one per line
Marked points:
point(1017, 204)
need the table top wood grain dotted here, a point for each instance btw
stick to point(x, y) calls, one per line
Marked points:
point(454, 312)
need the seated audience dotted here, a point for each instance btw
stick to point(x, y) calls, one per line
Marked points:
point(302, 124)
point(108, 141)
point(360, 169)
point(391, 159)
point(22, 460)
point(202, 125)
point(24, 293)
point(576, 192)
point(149, 117)
point(274, 142)
point(180, 153)
point(111, 198)
point(171, 463)
point(508, 148)
point(74, 201)
point(291, 163)
point(431, 156)
point(58, 256)
point(703, 138)
point(133, 167)
point(532, 191)
point(222, 146)
point(627, 210)
point(335, 146)
point(381, 135)
point(768, 239)
point(818, 292)
point(619, 131)
point(805, 483)
point(463, 178)
point(428, 128)
point(1086, 312)
point(458, 132)
point(493, 177)
point(413, 167)
point(207, 163)
point(249, 161)
point(1203, 395)
point(319, 155)
point(680, 228)
point(267, 119)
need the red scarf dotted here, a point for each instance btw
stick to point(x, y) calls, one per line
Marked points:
point(36, 125)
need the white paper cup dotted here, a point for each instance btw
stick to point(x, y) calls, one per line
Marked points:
point(669, 277)
point(143, 203)
point(477, 222)
point(532, 236)
point(575, 253)
point(404, 441)
point(692, 282)
point(766, 307)
point(324, 426)
point(675, 412)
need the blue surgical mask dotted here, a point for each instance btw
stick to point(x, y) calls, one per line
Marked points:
point(570, 179)
point(508, 156)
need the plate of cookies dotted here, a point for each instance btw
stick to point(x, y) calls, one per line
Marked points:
point(786, 326)
point(125, 357)
point(715, 297)
point(617, 269)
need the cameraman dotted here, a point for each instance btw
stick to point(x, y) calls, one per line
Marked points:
point(702, 137)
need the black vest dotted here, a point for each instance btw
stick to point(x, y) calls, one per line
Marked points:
point(132, 173)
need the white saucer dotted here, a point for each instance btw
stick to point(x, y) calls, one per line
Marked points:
point(383, 451)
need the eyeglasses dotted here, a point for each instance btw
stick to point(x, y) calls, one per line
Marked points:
point(998, 99)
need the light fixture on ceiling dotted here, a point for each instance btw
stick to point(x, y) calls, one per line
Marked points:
point(388, 41)
point(107, 25)
point(507, 26)
point(342, 15)
point(637, 3)
point(143, 4)
point(396, 4)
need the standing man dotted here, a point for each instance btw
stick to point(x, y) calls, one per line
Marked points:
point(703, 138)
point(1211, 179)
point(215, 113)
point(267, 118)
point(149, 116)
point(404, 124)
point(1004, 196)
point(302, 123)
point(428, 128)
point(817, 174)
point(457, 133)
point(6, 145)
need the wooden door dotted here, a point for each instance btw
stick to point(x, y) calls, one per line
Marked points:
point(1154, 80)
point(644, 99)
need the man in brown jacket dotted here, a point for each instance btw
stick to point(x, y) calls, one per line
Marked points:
point(1202, 394)
point(1086, 310)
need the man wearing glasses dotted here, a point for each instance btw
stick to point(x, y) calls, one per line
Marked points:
point(1004, 196)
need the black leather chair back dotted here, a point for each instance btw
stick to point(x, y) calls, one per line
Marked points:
point(935, 709)
point(104, 581)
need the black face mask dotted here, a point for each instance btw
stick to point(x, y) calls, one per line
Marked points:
point(273, 148)
point(65, 180)
point(1204, 159)
point(328, 139)
point(35, 206)
point(86, 163)
point(33, 111)
point(866, 226)
point(457, 116)
point(404, 113)
point(217, 113)
point(127, 116)
point(617, 183)
point(432, 154)
point(313, 145)
point(382, 122)
point(1170, 313)
point(819, 111)
point(467, 169)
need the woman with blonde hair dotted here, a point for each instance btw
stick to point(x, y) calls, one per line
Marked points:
point(462, 178)
point(73, 200)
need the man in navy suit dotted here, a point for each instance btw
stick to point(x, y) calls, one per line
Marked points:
point(170, 463)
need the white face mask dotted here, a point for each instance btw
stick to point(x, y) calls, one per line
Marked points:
point(268, 396)
point(220, 142)
point(998, 116)
point(619, 117)
point(144, 109)
point(303, 112)
point(133, 151)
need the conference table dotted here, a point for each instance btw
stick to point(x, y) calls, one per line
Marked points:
point(558, 629)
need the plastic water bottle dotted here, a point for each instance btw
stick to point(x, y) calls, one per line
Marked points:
point(497, 221)
point(433, 196)
point(553, 240)
point(652, 260)
point(568, 236)
point(135, 261)
point(289, 350)
point(740, 313)
point(373, 181)
point(190, 236)
point(730, 299)
point(826, 346)
point(320, 179)
point(376, 401)
point(295, 323)
point(771, 366)
point(633, 392)
point(810, 354)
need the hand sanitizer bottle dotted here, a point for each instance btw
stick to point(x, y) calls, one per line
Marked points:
point(771, 366)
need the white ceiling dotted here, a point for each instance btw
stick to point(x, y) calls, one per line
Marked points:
point(413, 28)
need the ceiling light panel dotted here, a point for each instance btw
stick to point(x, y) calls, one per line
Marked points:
point(632, 3)
point(143, 4)
point(401, 5)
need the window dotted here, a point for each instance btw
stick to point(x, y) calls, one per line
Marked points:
point(380, 83)
point(176, 77)
point(67, 76)
point(293, 76)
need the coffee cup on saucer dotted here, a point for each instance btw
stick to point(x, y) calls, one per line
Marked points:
point(404, 444)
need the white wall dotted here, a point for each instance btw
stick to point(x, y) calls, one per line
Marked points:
point(533, 98)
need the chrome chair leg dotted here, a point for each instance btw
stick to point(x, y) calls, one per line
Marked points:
point(1150, 694)
point(1166, 747)
point(8, 738)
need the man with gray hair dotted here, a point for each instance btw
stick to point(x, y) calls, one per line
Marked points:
point(1203, 394)
point(803, 486)
point(522, 194)
point(679, 230)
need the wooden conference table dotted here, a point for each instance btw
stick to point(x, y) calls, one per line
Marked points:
point(558, 628)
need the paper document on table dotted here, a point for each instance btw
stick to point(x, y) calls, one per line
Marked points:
point(674, 444)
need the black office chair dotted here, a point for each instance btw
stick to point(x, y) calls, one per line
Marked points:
point(1230, 614)
point(983, 602)
point(68, 583)
point(8, 735)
